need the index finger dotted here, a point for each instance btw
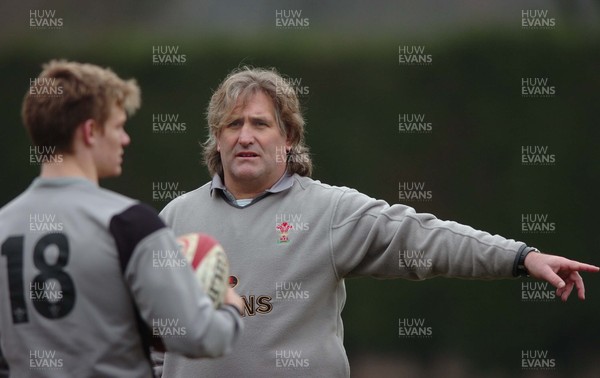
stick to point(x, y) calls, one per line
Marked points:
point(582, 267)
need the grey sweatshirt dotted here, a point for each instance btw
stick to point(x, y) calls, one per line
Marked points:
point(291, 249)
point(117, 283)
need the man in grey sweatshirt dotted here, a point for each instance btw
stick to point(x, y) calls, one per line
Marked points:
point(292, 240)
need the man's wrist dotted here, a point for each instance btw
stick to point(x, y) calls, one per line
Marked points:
point(519, 269)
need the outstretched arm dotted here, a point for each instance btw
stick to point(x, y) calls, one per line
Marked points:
point(560, 272)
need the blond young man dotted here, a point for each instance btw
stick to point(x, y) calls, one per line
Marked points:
point(80, 291)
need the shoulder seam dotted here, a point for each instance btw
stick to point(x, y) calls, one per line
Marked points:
point(331, 228)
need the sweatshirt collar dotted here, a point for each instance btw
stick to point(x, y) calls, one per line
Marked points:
point(285, 182)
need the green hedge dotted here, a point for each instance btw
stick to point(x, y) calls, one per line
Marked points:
point(471, 161)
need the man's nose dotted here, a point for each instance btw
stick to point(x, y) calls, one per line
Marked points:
point(246, 134)
point(125, 139)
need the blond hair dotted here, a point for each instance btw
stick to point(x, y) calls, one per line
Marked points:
point(65, 94)
point(239, 85)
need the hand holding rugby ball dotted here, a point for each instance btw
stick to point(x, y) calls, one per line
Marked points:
point(209, 263)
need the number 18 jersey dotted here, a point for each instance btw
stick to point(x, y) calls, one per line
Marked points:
point(83, 277)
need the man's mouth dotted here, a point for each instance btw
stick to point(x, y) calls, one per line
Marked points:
point(246, 154)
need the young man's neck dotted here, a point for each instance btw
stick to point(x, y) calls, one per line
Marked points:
point(68, 166)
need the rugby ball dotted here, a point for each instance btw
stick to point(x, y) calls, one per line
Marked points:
point(209, 263)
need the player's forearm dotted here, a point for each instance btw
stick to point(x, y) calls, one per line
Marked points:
point(219, 335)
point(186, 322)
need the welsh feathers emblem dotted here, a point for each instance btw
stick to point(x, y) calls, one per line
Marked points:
point(283, 229)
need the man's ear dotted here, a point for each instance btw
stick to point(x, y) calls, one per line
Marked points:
point(89, 131)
